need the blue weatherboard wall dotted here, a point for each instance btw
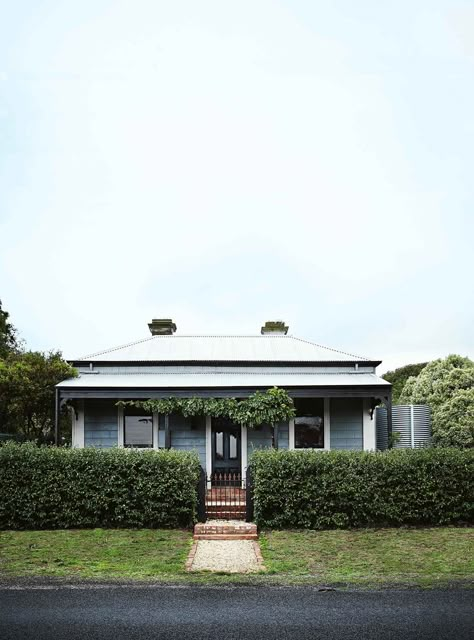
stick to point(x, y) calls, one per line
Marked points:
point(188, 435)
point(262, 438)
point(283, 435)
point(100, 423)
point(258, 438)
point(346, 423)
point(101, 429)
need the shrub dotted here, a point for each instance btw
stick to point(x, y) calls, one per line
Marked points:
point(398, 378)
point(339, 489)
point(447, 386)
point(50, 488)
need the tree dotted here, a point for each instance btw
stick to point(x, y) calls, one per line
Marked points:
point(9, 342)
point(398, 378)
point(27, 394)
point(455, 420)
point(447, 386)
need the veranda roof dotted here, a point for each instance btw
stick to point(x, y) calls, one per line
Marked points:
point(259, 379)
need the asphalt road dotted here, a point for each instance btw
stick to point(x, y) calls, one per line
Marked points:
point(124, 612)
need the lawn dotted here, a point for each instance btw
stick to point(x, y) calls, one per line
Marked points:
point(127, 554)
point(374, 557)
point(361, 558)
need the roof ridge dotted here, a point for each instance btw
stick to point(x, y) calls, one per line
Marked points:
point(122, 346)
point(321, 346)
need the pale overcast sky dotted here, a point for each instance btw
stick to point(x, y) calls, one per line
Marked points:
point(226, 163)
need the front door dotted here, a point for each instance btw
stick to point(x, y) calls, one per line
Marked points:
point(226, 446)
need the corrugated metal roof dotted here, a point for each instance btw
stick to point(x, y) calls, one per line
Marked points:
point(222, 349)
point(216, 380)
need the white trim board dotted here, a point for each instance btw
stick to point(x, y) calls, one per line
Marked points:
point(368, 427)
point(156, 435)
point(327, 429)
point(78, 437)
point(209, 448)
point(243, 453)
point(120, 427)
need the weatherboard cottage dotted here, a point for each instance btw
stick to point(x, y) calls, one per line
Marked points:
point(335, 394)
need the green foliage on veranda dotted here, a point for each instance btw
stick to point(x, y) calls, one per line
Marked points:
point(447, 386)
point(341, 489)
point(269, 407)
point(58, 488)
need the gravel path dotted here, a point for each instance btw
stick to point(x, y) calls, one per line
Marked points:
point(231, 556)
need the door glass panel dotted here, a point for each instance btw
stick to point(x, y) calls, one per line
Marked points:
point(232, 447)
point(219, 445)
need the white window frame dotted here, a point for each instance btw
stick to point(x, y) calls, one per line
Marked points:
point(121, 430)
point(327, 431)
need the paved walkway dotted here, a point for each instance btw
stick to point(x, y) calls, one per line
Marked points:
point(229, 546)
point(230, 556)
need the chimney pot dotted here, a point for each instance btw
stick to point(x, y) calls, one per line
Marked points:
point(275, 327)
point(162, 327)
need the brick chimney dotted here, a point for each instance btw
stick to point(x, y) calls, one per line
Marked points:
point(162, 327)
point(274, 327)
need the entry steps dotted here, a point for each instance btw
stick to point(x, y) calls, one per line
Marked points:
point(225, 530)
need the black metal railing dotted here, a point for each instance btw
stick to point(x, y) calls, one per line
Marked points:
point(225, 496)
point(249, 495)
point(201, 511)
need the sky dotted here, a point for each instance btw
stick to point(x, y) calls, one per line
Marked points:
point(228, 163)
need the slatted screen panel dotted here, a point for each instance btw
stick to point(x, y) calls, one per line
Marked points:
point(381, 428)
point(403, 416)
point(401, 422)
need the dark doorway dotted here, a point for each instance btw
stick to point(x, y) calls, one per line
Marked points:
point(226, 446)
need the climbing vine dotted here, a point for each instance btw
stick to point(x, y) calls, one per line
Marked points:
point(268, 407)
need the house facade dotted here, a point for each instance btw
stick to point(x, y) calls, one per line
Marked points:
point(335, 394)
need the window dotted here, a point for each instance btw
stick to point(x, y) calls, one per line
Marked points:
point(138, 429)
point(309, 423)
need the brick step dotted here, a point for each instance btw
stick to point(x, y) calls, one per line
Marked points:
point(226, 507)
point(226, 515)
point(225, 530)
point(225, 536)
point(225, 503)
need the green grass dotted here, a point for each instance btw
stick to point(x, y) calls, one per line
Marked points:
point(94, 553)
point(361, 558)
point(371, 557)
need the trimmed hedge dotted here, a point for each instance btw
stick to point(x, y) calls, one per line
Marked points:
point(341, 489)
point(51, 488)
